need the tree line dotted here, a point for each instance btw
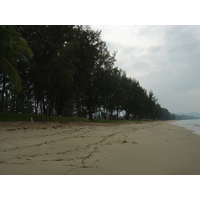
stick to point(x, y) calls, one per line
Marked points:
point(185, 117)
point(68, 70)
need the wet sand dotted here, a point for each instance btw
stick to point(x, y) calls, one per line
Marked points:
point(151, 148)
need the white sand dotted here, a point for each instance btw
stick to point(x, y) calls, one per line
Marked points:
point(90, 148)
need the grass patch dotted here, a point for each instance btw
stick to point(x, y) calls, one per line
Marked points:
point(12, 117)
point(115, 121)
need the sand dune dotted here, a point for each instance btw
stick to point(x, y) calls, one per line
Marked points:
point(91, 148)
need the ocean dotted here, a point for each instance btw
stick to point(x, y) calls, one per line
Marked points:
point(193, 125)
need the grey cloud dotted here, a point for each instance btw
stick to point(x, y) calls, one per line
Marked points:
point(164, 59)
point(154, 49)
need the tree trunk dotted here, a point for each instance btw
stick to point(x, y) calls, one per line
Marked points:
point(41, 110)
point(52, 105)
point(36, 109)
point(127, 115)
point(90, 111)
point(117, 112)
point(111, 114)
point(13, 102)
point(2, 94)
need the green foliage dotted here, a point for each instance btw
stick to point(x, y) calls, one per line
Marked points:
point(13, 117)
point(166, 115)
point(117, 121)
point(13, 48)
point(71, 73)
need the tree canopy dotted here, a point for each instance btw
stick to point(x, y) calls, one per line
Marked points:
point(68, 71)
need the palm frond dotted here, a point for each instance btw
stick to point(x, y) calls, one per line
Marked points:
point(11, 71)
point(23, 48)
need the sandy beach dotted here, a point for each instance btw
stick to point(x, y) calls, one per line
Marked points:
point(150, 148)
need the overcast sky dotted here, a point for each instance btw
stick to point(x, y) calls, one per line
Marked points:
point(164, 59)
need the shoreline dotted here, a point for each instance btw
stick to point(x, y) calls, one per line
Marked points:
point(150, 148)
point(189, 126)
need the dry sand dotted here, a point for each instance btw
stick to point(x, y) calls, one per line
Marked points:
point(151, 148)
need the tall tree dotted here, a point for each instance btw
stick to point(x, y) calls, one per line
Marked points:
point(91, 53)
point(50, 67)
point(71, 72)
point(13, 48)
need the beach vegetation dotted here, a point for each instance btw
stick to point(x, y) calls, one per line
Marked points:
point(69, 72)
point(13, 49)
point(18, 117)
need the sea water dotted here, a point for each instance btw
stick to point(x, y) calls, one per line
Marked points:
point(193, 125)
